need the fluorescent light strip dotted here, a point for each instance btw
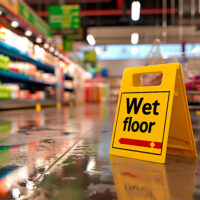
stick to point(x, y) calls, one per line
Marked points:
point(38, 40)
point(46, 46)
point(28, 33)
point(14, 24)
point(134, 38)
point(135, 10)
point(51, 49)
point(90, 39)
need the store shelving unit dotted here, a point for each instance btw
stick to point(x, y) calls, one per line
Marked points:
point(34, 71)
point(10, 76)
point(68, 77)
point(68, 89)
point(16, 54)
point(31, 77)
point(28, 103)
point(193, 99)
point(97, 90)
point(29, 82)
point(114, 83)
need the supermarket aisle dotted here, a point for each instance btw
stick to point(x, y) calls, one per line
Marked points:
point(31, 142)
point(65, 155)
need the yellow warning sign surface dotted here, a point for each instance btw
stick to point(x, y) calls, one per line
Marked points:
point(141, 119)
point(151, 120)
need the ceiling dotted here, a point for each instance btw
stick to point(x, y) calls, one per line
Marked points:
point(110, 21)
point(110, 12)
point(147, 34)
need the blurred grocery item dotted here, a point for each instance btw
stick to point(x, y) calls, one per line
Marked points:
point(5, 92)
point(97, 90)
point(32, 71)
point(4, 62)
point(114, 85)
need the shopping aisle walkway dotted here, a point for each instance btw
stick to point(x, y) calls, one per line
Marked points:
point(65, 155)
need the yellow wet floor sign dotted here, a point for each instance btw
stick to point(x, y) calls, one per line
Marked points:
point(152, 121)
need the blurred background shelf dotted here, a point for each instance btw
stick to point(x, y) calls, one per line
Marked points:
point(68, 77)
point(193, 99)
point(69, 90)
point(193, 92)
point(19, 104)
point(9, 76)
point(16, 54)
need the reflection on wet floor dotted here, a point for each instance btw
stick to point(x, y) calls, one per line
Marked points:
point(135, 179)
point(65, 155)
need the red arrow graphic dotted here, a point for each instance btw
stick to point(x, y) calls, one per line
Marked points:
point(141, 143)
point(129, 174)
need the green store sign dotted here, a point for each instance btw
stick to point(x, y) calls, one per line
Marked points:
point(64, 16)
point(26, 13)
point(67, 45)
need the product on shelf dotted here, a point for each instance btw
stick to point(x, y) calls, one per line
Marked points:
point(4, 62)
point(96, 90)
point(5, 92)
point(13, 91)
point(193, 83)
point(43, 56)
point(68, 84)
point(65, 67)
point(67, 97)
point(21, 43)
point(23, 68)
point(32, 71)
point(14, 88)
point(114, 85)
point(26, 46)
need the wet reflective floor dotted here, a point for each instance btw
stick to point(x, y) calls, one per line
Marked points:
point(64, 154)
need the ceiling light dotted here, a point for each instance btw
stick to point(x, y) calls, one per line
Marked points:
point(134, 38)
point(135, 10)
point(38, 40)
point(14, 24)
point(1, 12)
point(90, 39)
point(46, 46)
point(28, 33)
point(51, 49)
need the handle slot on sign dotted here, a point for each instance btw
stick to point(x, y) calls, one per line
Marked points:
point(147, 79)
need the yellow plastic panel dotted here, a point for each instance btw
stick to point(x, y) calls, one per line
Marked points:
point(147, 116)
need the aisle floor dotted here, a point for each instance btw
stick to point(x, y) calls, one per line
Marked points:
point(65, 155)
